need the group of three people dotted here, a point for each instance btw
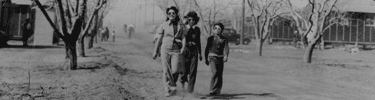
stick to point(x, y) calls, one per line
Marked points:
point(179, 47)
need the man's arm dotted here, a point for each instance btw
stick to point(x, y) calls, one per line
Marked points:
point(158, 43)
point(198, 41)
point(183, 45)
point(226, 50)
point(183, 36)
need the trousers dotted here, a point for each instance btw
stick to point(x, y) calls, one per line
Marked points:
point(189, 71)
point(170, 63)
point(217, 67)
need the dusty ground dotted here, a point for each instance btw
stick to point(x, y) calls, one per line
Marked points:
point(124, 70)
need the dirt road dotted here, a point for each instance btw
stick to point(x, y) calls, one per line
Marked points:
point(124, 70)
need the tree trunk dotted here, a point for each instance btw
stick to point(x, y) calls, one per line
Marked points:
point(81, 48)
point(259, 44)
point(93, 36)
point(96, 38)
point(308, 53)
point(304, 41)
point(91, 41)
point(322, 47)
point(71, 55)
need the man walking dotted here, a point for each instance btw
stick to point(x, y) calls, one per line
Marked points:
point(26, 32)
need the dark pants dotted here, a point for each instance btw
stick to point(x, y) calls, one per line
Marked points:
point(189, 72)
point(217, 66)
point(113, 38)
point(25, 37)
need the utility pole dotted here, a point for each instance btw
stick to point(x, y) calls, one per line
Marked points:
point(243, 22)
point(139, 15)
point(153, 12)
point(145, 14)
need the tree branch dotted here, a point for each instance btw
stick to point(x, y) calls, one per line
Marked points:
point(63, 21)
point(326, 15)
point(49, 19)
point(77, 7)
point(175, 2)
point(69, 14)
point(102, 2)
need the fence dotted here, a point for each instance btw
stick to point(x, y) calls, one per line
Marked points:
point(350, 31)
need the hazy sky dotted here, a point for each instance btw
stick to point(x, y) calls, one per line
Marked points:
point(135, 11)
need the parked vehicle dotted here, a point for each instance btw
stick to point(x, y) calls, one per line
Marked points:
point(233, 37)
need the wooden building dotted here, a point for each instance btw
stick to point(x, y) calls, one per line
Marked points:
point(357, 26)
point(13, 15)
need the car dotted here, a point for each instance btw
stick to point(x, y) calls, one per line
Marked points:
point(233, 37)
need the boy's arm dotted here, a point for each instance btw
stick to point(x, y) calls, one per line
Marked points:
point(226, 50)
point(208, 46)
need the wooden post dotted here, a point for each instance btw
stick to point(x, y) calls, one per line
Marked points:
point(357, 38)
point(282, 30)
point(288, 31)
point(343, 30)
point(1, 10)
point(370, 33)
point(364, 30)
point(277, 28)
point(329, 35)
point(243, 23)
point(19, 22)
point(337, 32)
point(350, 31)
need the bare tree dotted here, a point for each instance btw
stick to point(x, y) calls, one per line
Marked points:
point(98, 16)
point(263, 15)
point(70, 20)
point(311, 27)
point(163, 5)
point(182, 5)
point(98, 22)
point(208, 14)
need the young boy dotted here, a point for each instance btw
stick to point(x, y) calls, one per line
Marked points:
point(113, 36)
point(216, 53)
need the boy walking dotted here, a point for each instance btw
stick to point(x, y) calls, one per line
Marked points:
point(216, 53)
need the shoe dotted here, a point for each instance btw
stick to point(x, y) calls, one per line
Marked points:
point(183, 85)
point(173, 91)
point(213, 94)
point(167, 94)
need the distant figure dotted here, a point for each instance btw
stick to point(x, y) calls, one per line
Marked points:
point(113, 36)
point(3, 37)
point(105, 34)
point(26, 31)
point(130, 30)
point(125, 28)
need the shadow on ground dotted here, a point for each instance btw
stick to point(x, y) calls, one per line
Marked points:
point(31, 47)
point(237, 96)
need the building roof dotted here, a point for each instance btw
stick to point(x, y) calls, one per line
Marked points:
point(27, 2)
point(365, 6)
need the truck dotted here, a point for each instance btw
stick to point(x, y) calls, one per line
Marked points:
point(233, 37)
